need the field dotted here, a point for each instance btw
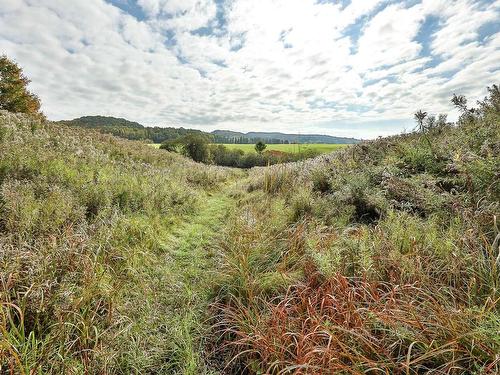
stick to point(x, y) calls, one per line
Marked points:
point(291, 148)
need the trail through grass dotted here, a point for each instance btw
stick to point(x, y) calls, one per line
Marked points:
point(116, 258)
point(181, 278)
point(194, 263)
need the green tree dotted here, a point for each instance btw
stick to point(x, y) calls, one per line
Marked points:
point(260, 146)
point(195, 146)
point(14, 95)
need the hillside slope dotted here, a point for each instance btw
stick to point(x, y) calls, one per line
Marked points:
point(102, 121)
point(92, 279)
point(132, 130)
point(383, 258)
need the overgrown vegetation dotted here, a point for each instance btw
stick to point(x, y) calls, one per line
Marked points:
point(89, 252)
point(382, 258)
point(117, 258)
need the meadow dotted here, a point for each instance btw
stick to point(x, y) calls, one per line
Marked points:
point(289, 148)
point(382, 258)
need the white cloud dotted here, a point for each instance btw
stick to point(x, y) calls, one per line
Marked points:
point(462, 21)
point(151, 7)
point(285, 65)
point(180, 14)
point(389, 38)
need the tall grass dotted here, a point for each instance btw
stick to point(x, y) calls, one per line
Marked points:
point(352, 326)
point(84, 223)
point(383, 258)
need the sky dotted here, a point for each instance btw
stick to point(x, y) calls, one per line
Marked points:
point(348, 67)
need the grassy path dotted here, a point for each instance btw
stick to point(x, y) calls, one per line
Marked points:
point(167, 302)
point(176, 291)
point(194, 260)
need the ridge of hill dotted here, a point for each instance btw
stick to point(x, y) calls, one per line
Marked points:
point(99, 121)
point(135, 131)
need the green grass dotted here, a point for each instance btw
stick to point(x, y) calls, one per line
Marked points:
point(169, 316)
point(291, 148)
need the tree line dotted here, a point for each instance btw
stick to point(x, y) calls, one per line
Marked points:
point(136, 132)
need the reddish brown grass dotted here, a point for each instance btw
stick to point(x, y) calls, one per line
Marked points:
point(352, 326)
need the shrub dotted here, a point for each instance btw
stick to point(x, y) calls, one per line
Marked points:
point(170, 145)
point(196, 147)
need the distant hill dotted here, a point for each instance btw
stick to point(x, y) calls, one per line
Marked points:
point(99, 121)
point(135, 131)
point(123, 128)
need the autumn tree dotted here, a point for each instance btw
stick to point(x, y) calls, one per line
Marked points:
point(14, 94)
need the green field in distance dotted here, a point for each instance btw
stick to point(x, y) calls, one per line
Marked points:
point(293, 148)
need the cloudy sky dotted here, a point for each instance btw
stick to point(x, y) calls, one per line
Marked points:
point(346, 67)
